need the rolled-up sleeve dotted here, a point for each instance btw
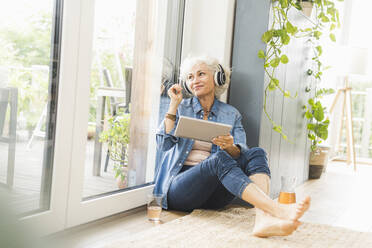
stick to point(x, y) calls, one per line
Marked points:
point(166, 141)
point(238, 133)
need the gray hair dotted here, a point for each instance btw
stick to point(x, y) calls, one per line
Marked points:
point(212, 63)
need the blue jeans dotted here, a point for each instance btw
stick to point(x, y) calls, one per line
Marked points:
point(214, 182)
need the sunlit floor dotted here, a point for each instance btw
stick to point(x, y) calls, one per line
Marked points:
point(341, 197)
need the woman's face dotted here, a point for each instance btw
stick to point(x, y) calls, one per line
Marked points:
point(200, 80)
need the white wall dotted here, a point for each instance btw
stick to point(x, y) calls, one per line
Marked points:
point(208, 28)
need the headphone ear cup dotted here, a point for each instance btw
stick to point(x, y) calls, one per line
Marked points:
point(219, 76)
point(185, 87)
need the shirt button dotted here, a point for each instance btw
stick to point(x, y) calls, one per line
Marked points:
point(187, 152)
point(210, 118)
point(180, 164)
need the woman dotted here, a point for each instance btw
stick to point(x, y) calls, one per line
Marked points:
point(194, 174)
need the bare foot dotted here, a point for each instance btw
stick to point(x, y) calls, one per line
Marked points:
point(293, 212)
point(267, 226)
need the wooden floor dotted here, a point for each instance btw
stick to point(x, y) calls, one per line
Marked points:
point(25, 194)
point(340, 198)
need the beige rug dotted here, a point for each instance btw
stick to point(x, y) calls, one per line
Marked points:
point(232, 228)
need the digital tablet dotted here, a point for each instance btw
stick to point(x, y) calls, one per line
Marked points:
point(203, 130)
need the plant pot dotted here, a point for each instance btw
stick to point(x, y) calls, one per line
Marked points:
point(307, 7)
point(315, 171)
point(122, 184)
point(318, 162)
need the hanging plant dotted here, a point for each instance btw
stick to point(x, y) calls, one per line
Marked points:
point(279, 35)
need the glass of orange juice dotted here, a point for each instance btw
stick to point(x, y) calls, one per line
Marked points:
point(287, 193)
point(154, 207)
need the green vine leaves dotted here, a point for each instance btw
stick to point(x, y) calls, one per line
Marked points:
point(279, 35)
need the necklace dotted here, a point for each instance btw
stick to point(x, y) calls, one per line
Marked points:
point(207, 112)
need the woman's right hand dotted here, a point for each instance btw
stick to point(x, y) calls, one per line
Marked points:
point(175, 94)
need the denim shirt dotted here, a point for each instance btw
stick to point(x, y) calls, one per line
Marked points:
point(172, 151)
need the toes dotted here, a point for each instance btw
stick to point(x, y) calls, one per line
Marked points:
point(305, 203)
point(301, 208)
point(307, 200)
point(297, 223)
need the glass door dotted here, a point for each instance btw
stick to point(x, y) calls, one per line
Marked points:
point(123, 62)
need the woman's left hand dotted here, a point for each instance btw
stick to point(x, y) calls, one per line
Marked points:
point(224, 141)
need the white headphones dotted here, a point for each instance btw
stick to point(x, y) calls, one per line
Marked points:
point(219, 79)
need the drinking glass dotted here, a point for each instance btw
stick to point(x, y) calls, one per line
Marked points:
point(154, 206)
point(287, 193)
